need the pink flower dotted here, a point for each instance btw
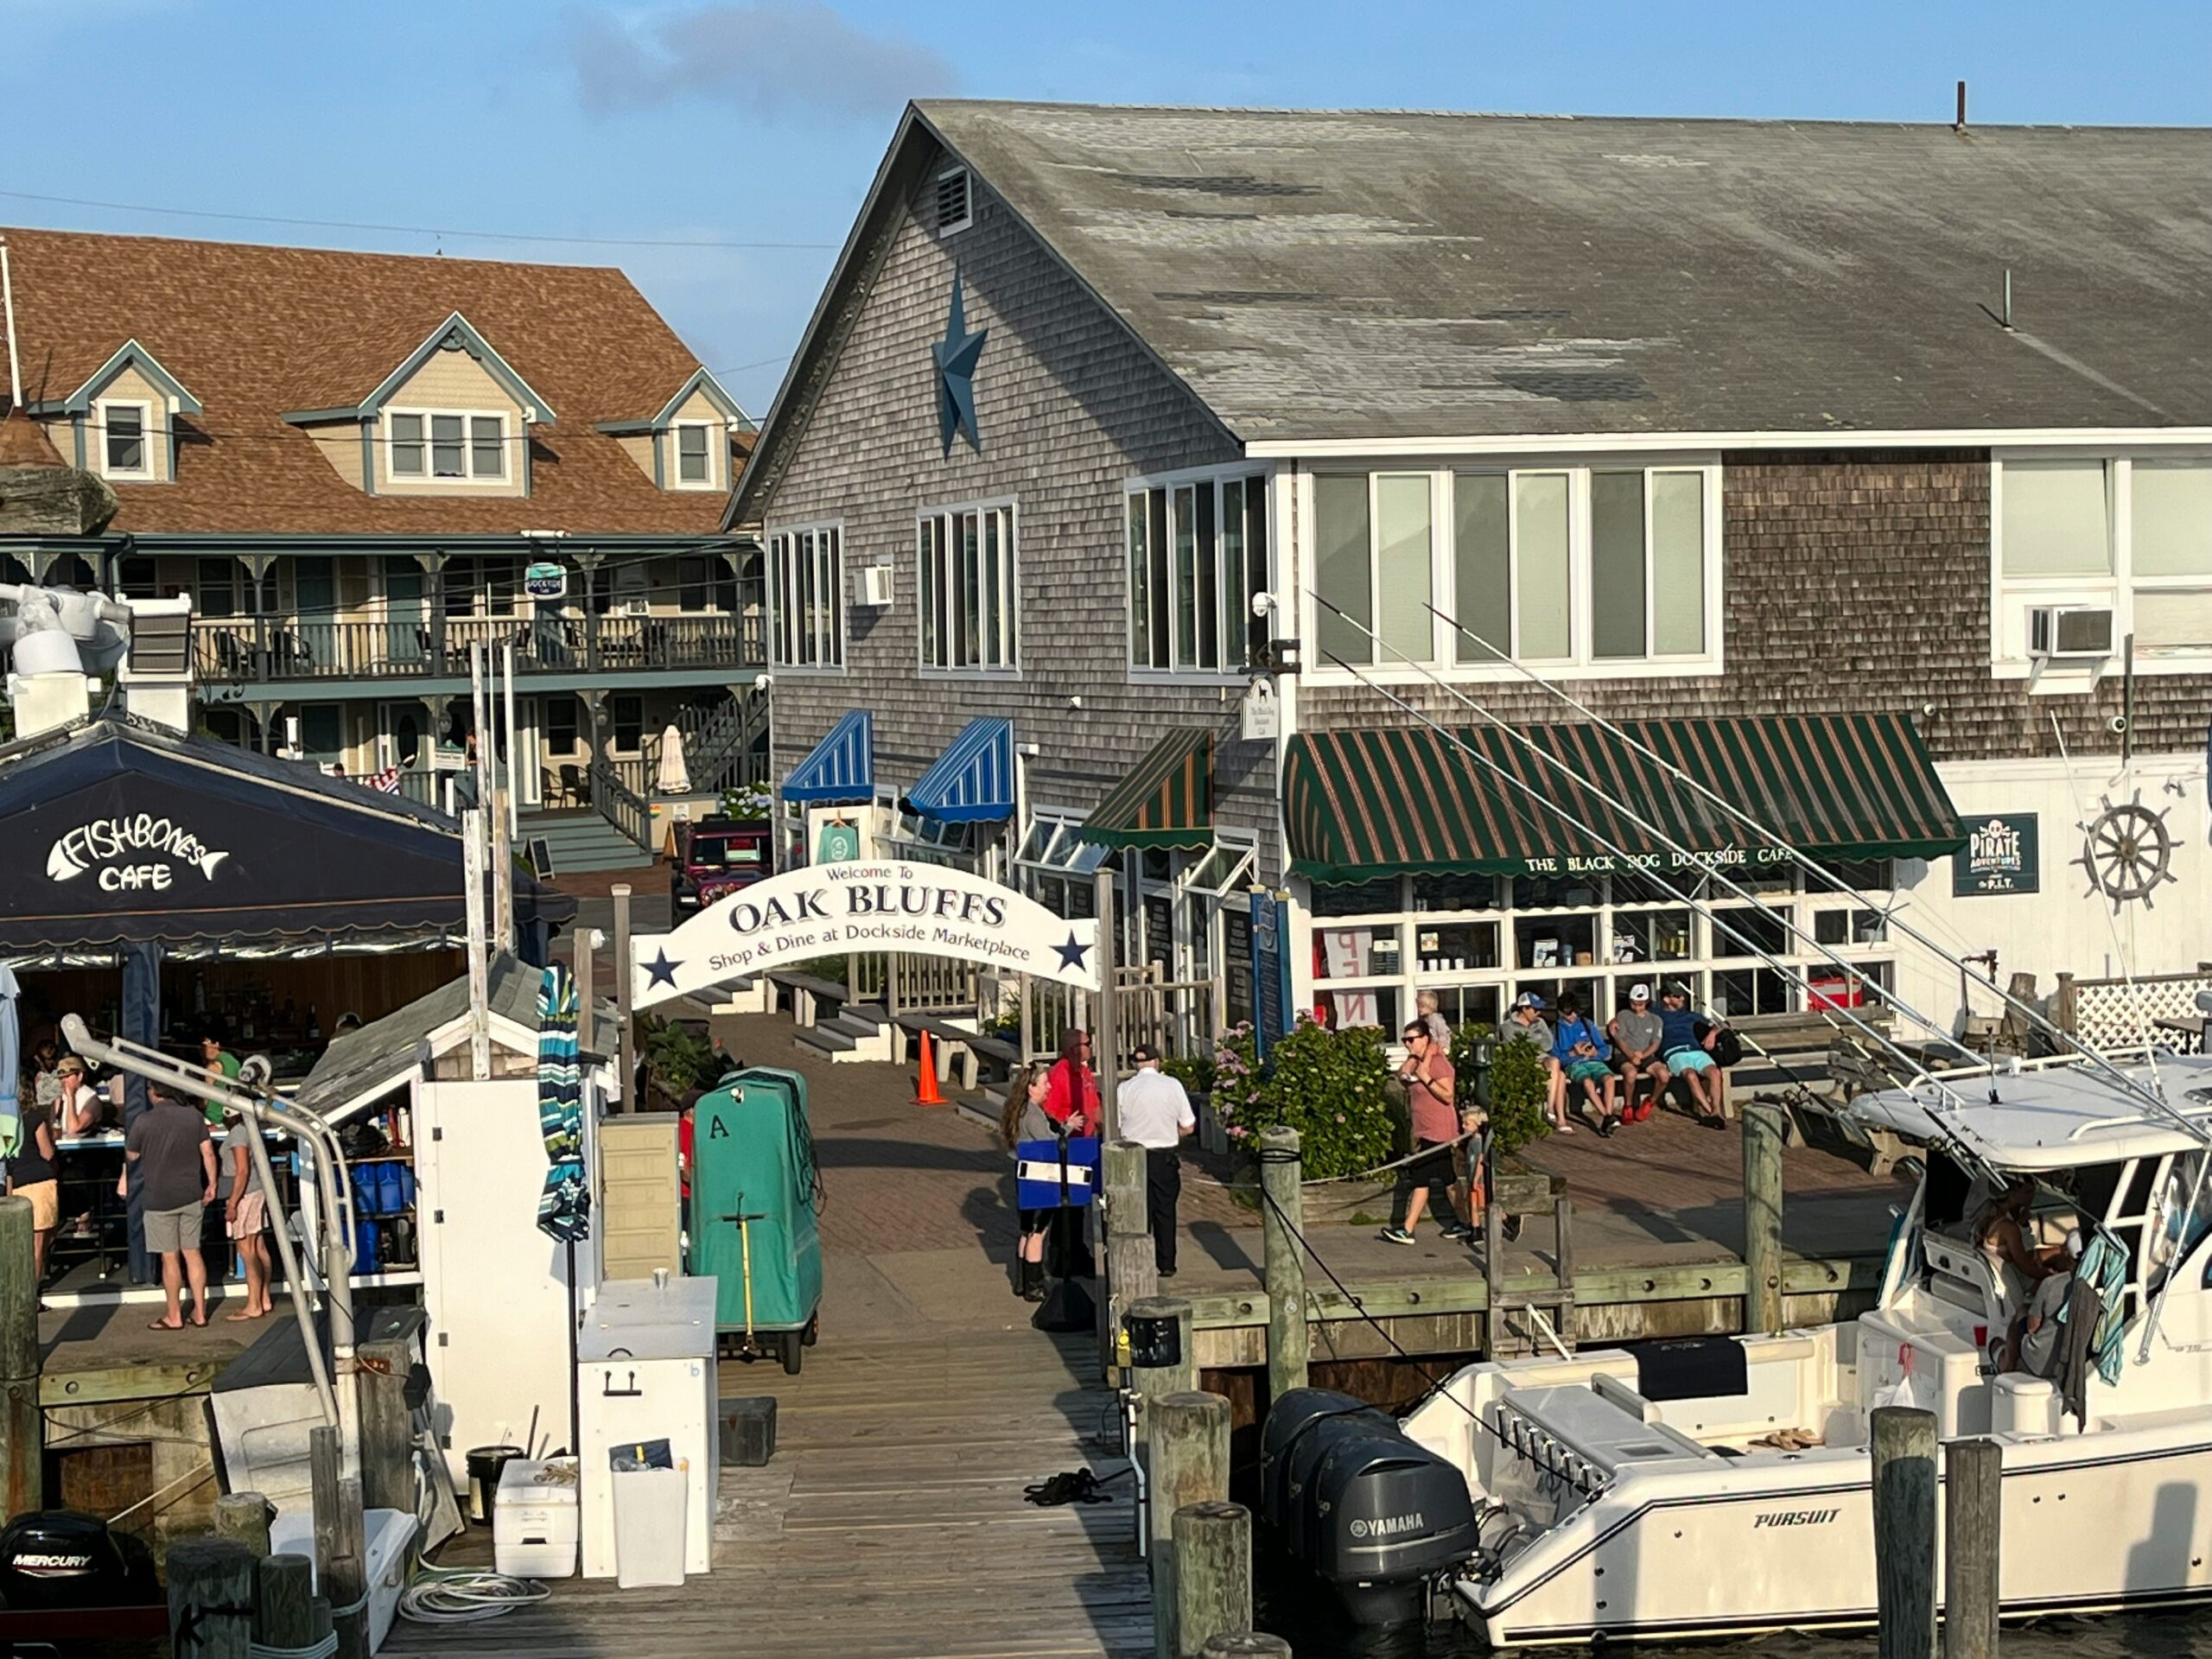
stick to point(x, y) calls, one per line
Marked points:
point(1340, 1117)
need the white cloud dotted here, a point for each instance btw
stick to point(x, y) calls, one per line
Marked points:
point(779, 59)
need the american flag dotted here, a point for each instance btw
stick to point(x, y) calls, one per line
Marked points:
point(386, 781)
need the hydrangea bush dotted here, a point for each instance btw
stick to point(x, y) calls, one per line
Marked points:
point(1516, 1085)
point(1331, 1086)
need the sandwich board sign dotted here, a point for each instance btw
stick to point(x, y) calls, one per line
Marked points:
point(825, 910)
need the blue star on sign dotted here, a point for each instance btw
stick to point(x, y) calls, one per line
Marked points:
point(661, 971)
point(956, 358)
point(1071, 954)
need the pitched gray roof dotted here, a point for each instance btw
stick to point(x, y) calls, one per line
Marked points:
point(1355, 274)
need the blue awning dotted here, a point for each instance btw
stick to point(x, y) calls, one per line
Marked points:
point(842, 767)
point(972, 782)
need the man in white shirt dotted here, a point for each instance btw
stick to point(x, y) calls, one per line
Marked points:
point(1155, 1113)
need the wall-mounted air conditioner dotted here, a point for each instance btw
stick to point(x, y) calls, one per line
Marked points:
point(875, 585)
point(2069, 633)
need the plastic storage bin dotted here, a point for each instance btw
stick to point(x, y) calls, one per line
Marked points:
point(648, 1517)
point(534, 1519)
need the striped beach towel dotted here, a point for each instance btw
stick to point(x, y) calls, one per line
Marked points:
point(564, 1208)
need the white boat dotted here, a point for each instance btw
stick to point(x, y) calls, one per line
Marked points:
point(1642, 1495)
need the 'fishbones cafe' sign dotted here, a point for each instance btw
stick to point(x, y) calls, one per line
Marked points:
point(830, 909)
point(129, 854)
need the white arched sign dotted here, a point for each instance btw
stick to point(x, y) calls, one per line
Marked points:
point(827, 910)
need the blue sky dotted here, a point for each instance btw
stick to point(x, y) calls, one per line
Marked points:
point(762, 122)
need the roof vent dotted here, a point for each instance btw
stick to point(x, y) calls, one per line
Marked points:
point(160, 643)
point(953, 207)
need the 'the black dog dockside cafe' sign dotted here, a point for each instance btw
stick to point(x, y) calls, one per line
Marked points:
point(2002, 856)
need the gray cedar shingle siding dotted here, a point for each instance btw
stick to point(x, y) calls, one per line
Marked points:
point(1069, 407)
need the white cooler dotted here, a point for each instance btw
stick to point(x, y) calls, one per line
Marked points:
point(534, 1520)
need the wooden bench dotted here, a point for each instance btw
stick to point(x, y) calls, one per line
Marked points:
point(951, 1041)
point(808, 994)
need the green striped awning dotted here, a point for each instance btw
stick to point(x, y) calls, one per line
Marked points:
point(1362, 805)
point(1166, 801)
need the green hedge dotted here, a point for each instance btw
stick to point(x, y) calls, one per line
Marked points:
point(1331, 1086)
point(1516, 1085)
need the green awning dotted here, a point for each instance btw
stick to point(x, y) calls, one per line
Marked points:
point(1364, 804)
point(1166, 801)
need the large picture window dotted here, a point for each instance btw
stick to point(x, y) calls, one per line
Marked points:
point(2130, 535)
point(807, 592)
point(453, 447)
point(969, 587)
point(1198, 554)
point(1598, 568)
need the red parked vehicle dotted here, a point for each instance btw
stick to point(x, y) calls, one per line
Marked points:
point(716, 856)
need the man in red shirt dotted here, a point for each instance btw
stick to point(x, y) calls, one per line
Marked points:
point(1432, 1089)
point(1072, 1100)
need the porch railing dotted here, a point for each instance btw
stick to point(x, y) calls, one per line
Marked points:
point(260, 650)
point(620, 805)
point(1177, 1016)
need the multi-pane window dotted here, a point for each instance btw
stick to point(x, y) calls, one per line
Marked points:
point(480, 584)
point(123, 440)
point(626, 716)
point(693, 462)
point(969, 588)
point(2133, 535)
point(1586, 567)
point(1198, 555)
point(448, 445)
point(704, 583)
point(807, 593)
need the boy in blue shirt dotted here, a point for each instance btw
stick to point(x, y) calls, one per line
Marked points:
point(1582, 1054)
point(1684, 1051)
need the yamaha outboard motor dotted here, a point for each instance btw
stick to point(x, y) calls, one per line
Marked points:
point(1288, 1422)
point(57, 1558)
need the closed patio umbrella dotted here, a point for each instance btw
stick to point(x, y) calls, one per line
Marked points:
point(674, 778)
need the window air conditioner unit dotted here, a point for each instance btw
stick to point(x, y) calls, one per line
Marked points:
point(875, 585)
point(2069, 633)
point(637, 607)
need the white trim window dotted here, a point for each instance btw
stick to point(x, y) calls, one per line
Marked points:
point(806, 586)
point(446, 446)
point(126, 438)
point(970, 588)
point(1197, 551)
point(2127, 534)
point(1607, 570)
point(694, 445)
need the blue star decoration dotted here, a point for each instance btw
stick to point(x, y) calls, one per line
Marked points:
point(661, 971)
point(1071, 954)
point(956, 358)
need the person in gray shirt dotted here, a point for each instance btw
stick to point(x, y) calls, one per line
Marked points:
point(171, 1144)
point(1636, 1032)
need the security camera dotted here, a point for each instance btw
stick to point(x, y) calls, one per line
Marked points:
point(1263, 604)
point(1928, 711)
point(2118, 724)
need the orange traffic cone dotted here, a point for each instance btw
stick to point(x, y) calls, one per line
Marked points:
point(926, 1093)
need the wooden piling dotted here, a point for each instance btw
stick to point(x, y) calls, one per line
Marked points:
point(341, 1552)
point(625, 1032)
point(284, 1599)
point(387, 1426)
point(1213, 1574)
point(23, 1446)
point(211, 1598)
point(1282, 1219)
point(1904, 1530)
point(1186, 1462)
point(1973, 1511)
point(1245, 1644)
point(1762, 1139)
point(1131, 1272)
point(244, 1517)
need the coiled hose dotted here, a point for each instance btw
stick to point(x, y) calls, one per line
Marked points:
point(455, 1595)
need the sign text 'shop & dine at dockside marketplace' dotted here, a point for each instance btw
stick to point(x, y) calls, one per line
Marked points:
point(827, 910)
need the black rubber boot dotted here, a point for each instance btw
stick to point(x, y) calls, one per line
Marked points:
point(1033, 1281)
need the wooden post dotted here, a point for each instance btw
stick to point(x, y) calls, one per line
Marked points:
point(1763, 1131)
point(340, 1552)
point(1904, 1530)
point(479, 983)
point(1154, 1382)
point(1245, 1644)
point(1186, 1462)
point(1282, 1219)
point(244, 1517)
point(1106, 1030)
point(625, 1082)
point(1973, 1512)
point(1213, 1574)
point(1493, 1277)
point(23, 1446)
point(284, 1599)
point(211, 1598)
point(1131, 1273)
point(387, 1426)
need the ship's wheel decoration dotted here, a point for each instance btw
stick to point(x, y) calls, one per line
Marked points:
point(2128, 850)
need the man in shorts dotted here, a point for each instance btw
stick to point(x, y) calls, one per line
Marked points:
point(1636, 1031)
point(176, 1166)
point(244, 1213)
point(1684, 1051)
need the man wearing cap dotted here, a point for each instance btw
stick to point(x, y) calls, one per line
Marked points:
point(1636, 1032)
point(1685, 1046)
point(1155, 1112)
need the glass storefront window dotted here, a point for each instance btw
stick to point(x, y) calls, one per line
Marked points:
point(1553, 892)
point(1587, 992)
point(1366, 1005)
point(1455, 892)
point(1555, 941)
point(1361, 899)
point(1861, 876)
point(1356, 952)
point(1455, 947)
point(1744, 932)
point(1850, 926)
point(1641, 935)
point(1470, 1004)
point(1740, 991)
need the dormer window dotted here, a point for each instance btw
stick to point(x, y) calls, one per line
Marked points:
point(435, 445)
point(123, 433)
point(695, 461)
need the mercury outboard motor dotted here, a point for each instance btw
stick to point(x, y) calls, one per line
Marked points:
point(57, 1558)
point(1370, 1513)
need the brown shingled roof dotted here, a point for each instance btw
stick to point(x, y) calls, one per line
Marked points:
point(256, 331)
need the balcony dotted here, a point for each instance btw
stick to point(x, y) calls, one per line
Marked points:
point(291, 651)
